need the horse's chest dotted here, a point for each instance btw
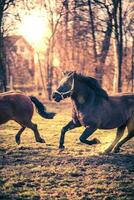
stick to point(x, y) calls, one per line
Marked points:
point(85, 120)
point(84, 115)
point(80, 117)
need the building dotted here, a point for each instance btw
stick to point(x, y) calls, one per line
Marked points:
point(20, 63)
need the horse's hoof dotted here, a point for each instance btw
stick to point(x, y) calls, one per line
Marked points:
point(116, 150)
point(101, 153)
point(96, 141)
point(41, 140)
point(106, 153)
point(17, 140)
point(61, 148)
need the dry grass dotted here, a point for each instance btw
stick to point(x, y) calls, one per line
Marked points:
point(39, 171)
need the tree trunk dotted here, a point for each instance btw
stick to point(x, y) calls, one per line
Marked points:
point(41, 74)
point(104, 50)
point(92, 30)
point(119, 39)
point(65, 35)
point(132, 66)
point(120, 48)
point(2, 61)
point(49, 71)
point(50, 62)
point(116, 72)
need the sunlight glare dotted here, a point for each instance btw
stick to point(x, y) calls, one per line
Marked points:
point(34, 28)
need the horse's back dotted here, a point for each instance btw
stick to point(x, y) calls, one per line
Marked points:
point(122, 94)
point(110, 113)
point(117, 110)
point(123, 100)
point(13, 97)
point(9, 93)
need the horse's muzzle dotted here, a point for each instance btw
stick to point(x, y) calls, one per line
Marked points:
point(57, 97)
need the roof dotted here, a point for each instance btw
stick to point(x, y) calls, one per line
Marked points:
point(12, 39)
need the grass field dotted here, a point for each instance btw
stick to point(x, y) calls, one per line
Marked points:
point(39, 171)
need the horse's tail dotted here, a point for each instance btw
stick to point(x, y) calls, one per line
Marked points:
point(41, 109)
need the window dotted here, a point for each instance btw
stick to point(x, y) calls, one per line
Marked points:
point(14, 48)
point(26, 63)
point(22, 48)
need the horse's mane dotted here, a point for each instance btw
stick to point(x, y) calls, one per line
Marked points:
point(93, 84)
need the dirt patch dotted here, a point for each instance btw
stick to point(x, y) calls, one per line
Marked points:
point(39, 171)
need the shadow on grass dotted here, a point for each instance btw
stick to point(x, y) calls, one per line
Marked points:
point(45, 156)
point(26, 169)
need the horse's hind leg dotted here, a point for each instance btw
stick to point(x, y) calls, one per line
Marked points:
point(17, 137)
point(130, 127)
point(119, 134)
point(36, 132)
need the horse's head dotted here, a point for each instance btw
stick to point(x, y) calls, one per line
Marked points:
point(66, 87)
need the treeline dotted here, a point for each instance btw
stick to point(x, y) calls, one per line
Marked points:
point(95, 37)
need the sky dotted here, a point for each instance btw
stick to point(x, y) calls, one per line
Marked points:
point(33, 24)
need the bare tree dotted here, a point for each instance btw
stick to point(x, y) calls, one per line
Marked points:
point(83, 33)
point(105, 44)
point(117, 5)
point(91, 20)
point(4, 5)
point(53, 24)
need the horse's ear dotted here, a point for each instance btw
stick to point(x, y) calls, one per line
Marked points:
point(68, 73)
point(71, 73)
point(63, 73)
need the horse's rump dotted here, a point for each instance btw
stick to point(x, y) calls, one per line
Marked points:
point(116, 111)
point(14, 106)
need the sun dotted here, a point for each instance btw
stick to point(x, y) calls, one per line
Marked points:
point(34, 29)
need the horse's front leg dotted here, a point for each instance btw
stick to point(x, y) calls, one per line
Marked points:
point(87, 132)
point(69, 126)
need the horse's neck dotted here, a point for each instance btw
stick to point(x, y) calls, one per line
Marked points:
point(82, 94)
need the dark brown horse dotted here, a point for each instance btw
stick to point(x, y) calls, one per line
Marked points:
point(19, 107)
point(94, 109)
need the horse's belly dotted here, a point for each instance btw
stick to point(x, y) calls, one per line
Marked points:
point(103, 125)
point(87, 121)
point(112, 122)
point(110, 126)
point(102, 122)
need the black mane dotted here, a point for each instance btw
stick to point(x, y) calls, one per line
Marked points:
point(93, 84)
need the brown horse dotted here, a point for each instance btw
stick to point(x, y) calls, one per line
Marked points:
point(94, 109)
point(19, 107)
